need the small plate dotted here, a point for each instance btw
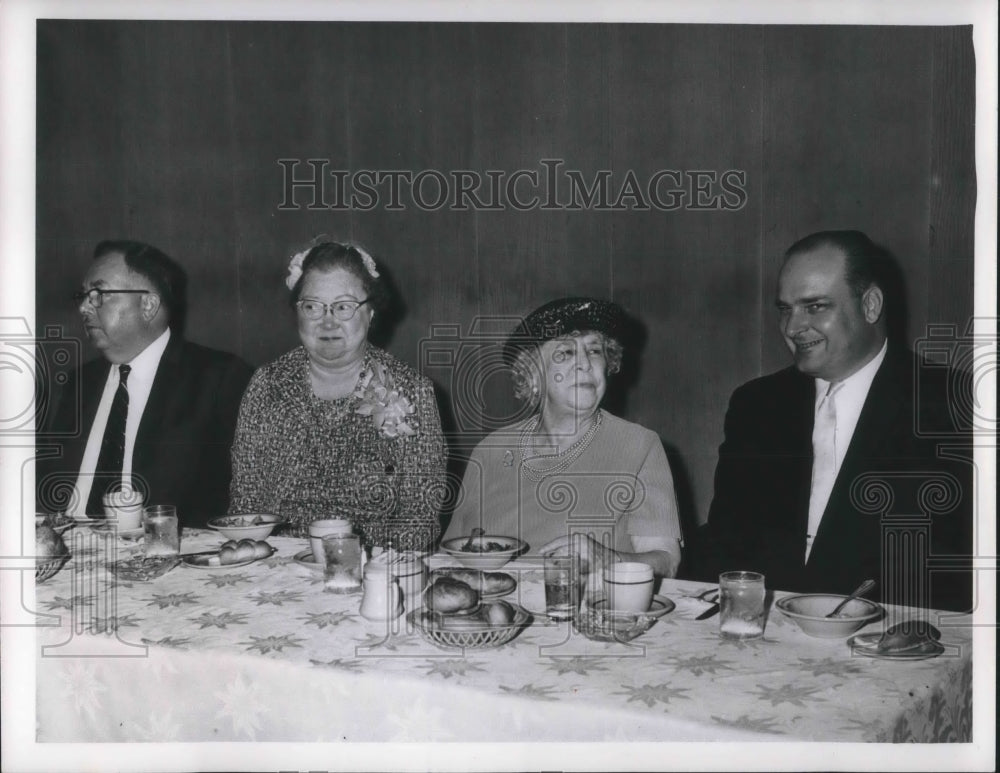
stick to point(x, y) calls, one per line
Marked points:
point(660, 606)
point(129, 535)
point(305, 558)
point(204, 562)
point(867, 644)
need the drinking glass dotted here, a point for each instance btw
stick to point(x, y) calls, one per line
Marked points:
point(342, 563)
point(161, 530)
point(741, 605)
point(563, 586)
point(323, 528)
point(123, 507)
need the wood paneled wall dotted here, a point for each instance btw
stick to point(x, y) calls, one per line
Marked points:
point(171, 133)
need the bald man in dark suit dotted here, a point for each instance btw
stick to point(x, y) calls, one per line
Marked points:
point(824, 477)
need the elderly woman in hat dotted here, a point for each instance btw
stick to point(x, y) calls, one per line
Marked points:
point(573, 477)
point(338, 428)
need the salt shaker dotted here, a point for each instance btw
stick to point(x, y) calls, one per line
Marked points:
point(382, 599)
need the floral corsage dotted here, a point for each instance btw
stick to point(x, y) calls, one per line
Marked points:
point(387, 406)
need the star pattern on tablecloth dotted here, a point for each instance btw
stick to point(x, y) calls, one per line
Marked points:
point(452, 667)
point(794, 694)
point(323, 619)
point(540, 692)
point(344, 664)
point(166, 600)
point(227, 579)
point(221, 620)
point(113, 622)
point(753, 724)
point(651, 694)
point(278, 598)
point(243, 705)
point(384, 641)
point(830, 666)
point(275, 561)
point(743, 644)
point(266, 644)
point(418, 721)
point(61, 602)
point(699, 664)
point(159, 727)
point(169, 641)
point(83, 687)
point(579, 664)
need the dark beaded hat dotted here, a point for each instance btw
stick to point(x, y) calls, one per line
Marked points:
point(562, 317)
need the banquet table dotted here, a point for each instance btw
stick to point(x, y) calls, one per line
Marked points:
point(263, 653)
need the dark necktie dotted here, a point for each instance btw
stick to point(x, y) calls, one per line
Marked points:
point(108, 474)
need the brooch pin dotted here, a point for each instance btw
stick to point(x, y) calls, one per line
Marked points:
point(508, 458)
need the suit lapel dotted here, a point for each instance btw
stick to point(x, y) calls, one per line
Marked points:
point(879, 415)
point(167, 373)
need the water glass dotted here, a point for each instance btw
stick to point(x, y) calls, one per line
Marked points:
point(161, 530)
point(563, 586)
point(342, 563)
point(322, 528)
point(741, 605)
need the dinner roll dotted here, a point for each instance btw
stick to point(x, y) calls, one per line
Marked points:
point(262, 549)
point(450, 595)
point(245, 549)
point(497, 613)
point(497, 582)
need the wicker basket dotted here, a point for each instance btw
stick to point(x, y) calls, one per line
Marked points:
point(486, 637)
point(46, 569)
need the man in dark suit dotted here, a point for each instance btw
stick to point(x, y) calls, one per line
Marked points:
point(827, 474)
point(171, 404)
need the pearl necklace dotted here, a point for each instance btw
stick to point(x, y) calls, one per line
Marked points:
point(566, 458)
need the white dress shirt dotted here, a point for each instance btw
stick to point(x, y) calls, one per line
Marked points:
point(850, 395)
point(140, 383)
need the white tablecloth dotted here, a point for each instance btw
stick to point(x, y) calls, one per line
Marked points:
point(262, 653)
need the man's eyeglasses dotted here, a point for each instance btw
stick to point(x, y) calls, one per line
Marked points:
point(342, 310)
point(96, 296)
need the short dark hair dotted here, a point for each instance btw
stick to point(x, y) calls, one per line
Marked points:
point(328, 255)
point(865, 262)
point(166, 276)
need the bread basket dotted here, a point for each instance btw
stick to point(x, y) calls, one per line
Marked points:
point(486, 637)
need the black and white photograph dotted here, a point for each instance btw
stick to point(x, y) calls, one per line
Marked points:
point(467, 386)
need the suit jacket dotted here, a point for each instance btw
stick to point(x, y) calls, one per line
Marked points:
point(182, 448)
point(897, 509)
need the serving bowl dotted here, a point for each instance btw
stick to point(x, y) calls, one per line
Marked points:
point(488, 551)
point(255, 526)
point(809, 611)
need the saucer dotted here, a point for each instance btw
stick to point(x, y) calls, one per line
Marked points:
point(867, 644)
point(660, 606)
point(305, 558)
point(129, 535)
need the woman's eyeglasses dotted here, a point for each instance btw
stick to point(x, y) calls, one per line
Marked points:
point(96, 295)
point(342, 310)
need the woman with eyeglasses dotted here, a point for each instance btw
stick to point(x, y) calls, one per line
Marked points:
point(338, 428)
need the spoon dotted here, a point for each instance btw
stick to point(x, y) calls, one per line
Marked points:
point(861, 590)
point(477, 532)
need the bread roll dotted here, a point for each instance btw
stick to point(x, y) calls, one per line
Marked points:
point(497, 613)
point(245, 549)
point(497, 582)
point(262, 549)
point(227, 555)
point(471, 577)
point(450, 595)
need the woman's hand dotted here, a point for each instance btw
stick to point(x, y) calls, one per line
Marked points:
point(593, 556)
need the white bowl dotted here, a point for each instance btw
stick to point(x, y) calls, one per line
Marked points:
point(246, 525)
point(810, 610)
point(484, 558)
